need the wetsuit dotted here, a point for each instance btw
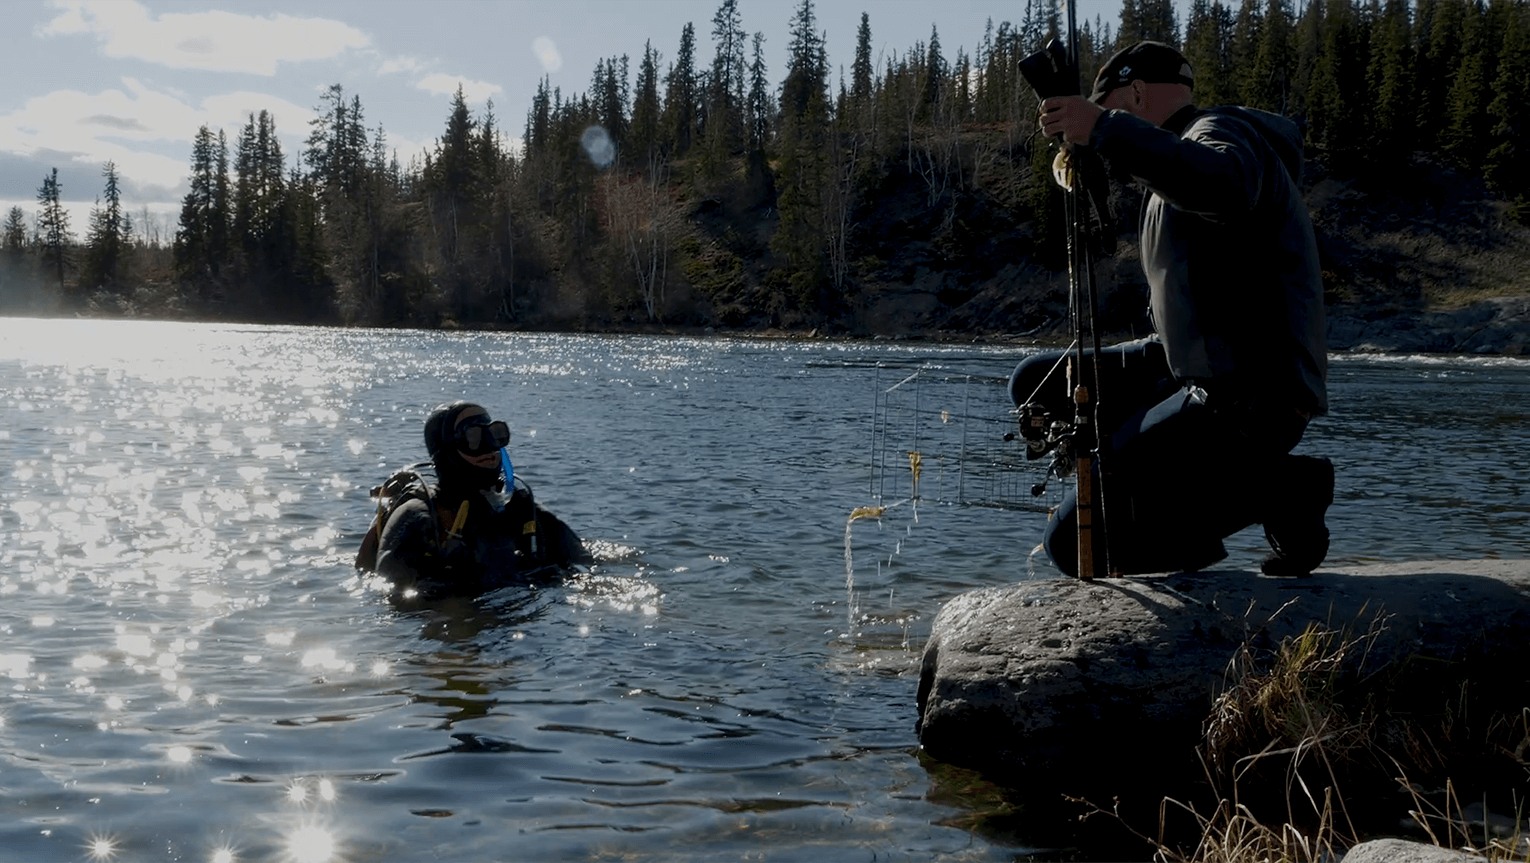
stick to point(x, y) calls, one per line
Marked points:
point(433, 549)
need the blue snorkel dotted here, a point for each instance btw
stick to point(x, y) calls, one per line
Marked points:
point(504, 461)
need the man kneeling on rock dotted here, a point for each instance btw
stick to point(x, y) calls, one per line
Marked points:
point(1202, 417)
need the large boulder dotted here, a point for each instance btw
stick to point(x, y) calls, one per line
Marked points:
point(1105, 685)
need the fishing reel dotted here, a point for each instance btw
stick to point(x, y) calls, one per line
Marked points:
point(1043, 434)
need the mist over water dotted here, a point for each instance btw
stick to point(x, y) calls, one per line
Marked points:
point(194, 672)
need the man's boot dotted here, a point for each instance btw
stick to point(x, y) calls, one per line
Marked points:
point(1296, 531)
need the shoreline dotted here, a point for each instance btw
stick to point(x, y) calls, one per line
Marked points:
point(1498, 326)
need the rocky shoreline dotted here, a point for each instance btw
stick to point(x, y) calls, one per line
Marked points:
point(1499, 326)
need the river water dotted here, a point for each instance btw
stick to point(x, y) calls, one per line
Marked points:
point(194, 673)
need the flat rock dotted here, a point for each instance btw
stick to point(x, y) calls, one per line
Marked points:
point(1403, 851)
point(1097, 684)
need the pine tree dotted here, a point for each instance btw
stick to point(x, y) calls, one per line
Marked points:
point(1308, 44)
point(803, 173)
point(760, 106)
point(1156, 20)
point(725, 84)
point(935, 74)
point(1507, 166)
point(1389, 80)
point(53, 227)
point(106, 244)
point(1439, 58)
point(1243, 50)
point(13, 235)
point(1336, 98)
point(860, 70)
point(193, 247)
point(1268, 86)
point(680, 96)
point(1206, 44)
point(644, 135)
point(1468, 124)
point(1130, 30)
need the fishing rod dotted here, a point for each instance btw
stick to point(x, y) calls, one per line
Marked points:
point(1054, 71)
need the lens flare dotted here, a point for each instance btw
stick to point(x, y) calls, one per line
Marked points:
point(598, 146)
point(311, 844)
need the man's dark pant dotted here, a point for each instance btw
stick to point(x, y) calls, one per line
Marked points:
point(1184, 468)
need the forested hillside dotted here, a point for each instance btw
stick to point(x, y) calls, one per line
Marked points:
point(905, 193)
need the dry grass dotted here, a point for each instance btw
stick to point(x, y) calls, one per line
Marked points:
point(1305, 721)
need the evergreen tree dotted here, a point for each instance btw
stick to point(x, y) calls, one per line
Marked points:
point(644, 135)
point(1244, 49)
point(725, 85)
point(935, 73)
point(803, 145)
point(1336, 98)
point(53, 227)
point(680, 95)
point(1507, 166)
point(452, 179)
point(760, 107)
point(1206, 42)
point(1389, 80)
point(1130, 30)
point(860, 70)
point(1156, 20)
point(13, 235)
point(1467, 121)
point(1439, 58)
point(219, 209)
point(1308, 40)
point(106, 244)
point(1268, 86)
point(196, 253)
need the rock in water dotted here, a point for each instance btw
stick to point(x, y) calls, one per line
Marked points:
point(1100, 686)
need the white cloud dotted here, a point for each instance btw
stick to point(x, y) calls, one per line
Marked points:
point(129, 125)
point(214, 41)
point(442, 84)
point(547, 54)
point(402, 64)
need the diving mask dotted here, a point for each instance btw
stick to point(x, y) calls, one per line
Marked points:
point(479, 436)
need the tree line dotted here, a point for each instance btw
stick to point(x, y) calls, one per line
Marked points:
point(689, 189)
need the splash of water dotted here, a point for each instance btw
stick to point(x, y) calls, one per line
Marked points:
point(859, 512)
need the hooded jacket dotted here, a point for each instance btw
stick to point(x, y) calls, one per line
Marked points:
point(1235, 286)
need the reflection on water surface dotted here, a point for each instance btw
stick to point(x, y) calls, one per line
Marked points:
point(194, 672)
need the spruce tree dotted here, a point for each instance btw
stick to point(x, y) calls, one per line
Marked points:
point(106, 244)
point(1439, 58)
point(53, 227)
point(1389, 81)
point(1269, 84)
point(680, 96)
point(803, 143)
point(1308, 45)
point(1507, 166)
point(860, 70)
point(644, 134)
point(13, 235)
point(1243, 51)
point(760, 107)
point(1467, 122)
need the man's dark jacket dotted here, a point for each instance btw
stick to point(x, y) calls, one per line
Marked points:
point(1236, 290)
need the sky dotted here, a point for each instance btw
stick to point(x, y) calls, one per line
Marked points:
point(131, 81)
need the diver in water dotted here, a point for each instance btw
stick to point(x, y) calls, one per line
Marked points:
point(476, 528)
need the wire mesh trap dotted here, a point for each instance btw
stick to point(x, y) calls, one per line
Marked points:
point(949, 438)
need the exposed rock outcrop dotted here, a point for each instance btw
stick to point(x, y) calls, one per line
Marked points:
point(1104, 685)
